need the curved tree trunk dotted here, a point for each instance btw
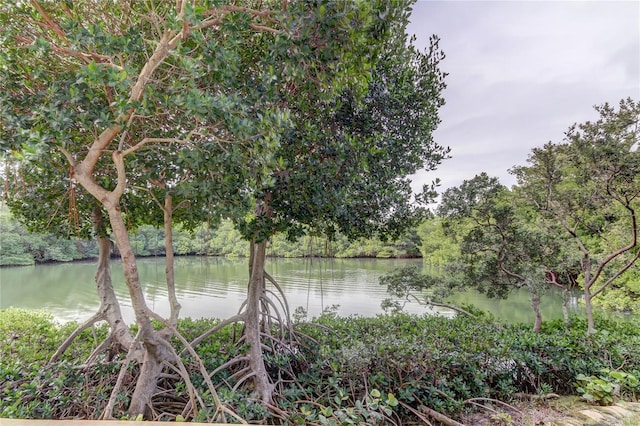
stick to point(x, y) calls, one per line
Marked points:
point(155, 352)
point(263, 387)
point(109, 310)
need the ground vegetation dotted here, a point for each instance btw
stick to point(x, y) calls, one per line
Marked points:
point(391, 369)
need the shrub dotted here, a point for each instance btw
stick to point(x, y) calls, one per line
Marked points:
point(348, 370)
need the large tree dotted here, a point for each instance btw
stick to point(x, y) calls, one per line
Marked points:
point(502, 245)
point(344, 163)
point(589, 186)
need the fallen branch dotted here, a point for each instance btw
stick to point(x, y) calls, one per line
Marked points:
point(448, 421)
point(497, 401)
point(535, 397)
point(416, 413)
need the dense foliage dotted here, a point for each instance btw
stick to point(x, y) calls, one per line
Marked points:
point(355, 369)
point(570, 222)
point(20, 247)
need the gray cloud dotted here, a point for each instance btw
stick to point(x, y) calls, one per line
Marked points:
point(522, 72)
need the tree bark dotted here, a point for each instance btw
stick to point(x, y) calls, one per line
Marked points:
point(169, 270)
point(263, 387)
point(535, 305)
point(154, 351)
point(566, 297)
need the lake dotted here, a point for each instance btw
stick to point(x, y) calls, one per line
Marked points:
point(211, 287)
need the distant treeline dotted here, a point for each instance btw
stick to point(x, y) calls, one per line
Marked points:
point(20, 247)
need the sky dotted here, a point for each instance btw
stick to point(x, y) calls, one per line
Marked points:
point(521, 73)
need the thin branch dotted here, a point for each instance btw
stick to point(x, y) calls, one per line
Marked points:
point(54, 26)
point(621, 271)
point(154, 140)
point(633, 243)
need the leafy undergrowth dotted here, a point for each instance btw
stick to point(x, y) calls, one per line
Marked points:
point(384, 370)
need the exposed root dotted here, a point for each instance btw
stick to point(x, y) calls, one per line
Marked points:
point(97, 317)
point(221, 409)
point(108, 411)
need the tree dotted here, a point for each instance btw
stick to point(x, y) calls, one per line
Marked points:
point(588, 186)
point(343, 164)
point(403, 283)
point(502, 246)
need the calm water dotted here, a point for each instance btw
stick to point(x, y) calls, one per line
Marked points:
point(216, 287)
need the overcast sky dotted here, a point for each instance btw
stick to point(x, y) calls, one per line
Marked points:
point(521, 72)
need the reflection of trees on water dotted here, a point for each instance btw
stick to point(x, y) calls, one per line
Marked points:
point(215, 287)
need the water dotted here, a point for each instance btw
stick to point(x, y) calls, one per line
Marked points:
point(216, 288)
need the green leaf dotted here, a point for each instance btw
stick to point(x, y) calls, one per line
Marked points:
point(391, 400)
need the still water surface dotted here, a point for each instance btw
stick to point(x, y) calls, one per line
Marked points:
point(216, 287)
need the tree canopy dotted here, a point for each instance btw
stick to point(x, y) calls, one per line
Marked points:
point(589, 186)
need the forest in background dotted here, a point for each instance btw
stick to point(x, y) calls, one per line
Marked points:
point(21, 247)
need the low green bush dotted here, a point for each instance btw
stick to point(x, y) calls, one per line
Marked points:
point(347, 371)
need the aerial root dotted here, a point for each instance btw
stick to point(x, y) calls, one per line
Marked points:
point(233, 320)
point(221, 409)
point(97, 317)
point(108, 410)
point(234, 360)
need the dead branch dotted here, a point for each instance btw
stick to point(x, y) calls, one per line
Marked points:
point(438, 416)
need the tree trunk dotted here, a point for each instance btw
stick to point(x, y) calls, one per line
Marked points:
point(566, 297)
point(108, 301)
point(109, 306)
point(588, 307)
point(535, 305)
point(263, 387)
point(154, 351)
point(169, 271)
point(147, 383)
